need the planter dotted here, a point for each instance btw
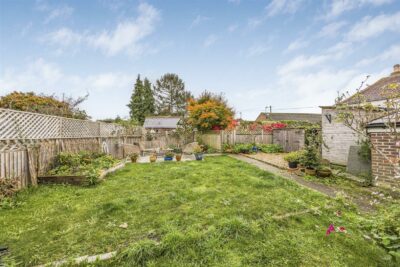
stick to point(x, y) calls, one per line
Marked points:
point(254, 149)
point(198, 156)
point(324, 173)
point(178, 157)
point(311, 172)
point(168, 158)
point(153, 158)
point(133, 159)
point(292, 164)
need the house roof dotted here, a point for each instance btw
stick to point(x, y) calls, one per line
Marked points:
point(381, 122)
point(161, 122)
point(310, 117)
point(374, 92)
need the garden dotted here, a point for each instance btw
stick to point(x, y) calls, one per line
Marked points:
point(215, 212)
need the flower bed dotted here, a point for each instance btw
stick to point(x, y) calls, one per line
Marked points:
point(79, 168)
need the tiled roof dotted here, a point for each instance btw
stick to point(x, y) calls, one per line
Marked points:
point(310, 117)
point(374, 91)
point(161, 122)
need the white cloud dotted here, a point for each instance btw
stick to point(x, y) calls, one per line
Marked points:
point(302, 62)
point(296, 45)
point(391, 53)
point(374, 26)
point(258, 50)
point(63, 37)
point(232, 27)
point(332, 29)
point(338, 7)
point(276, 7)
point(125, 38)
point(59, 12)
point(40, 76)
point(127, 34)
point(210, 40)
point(199, 20)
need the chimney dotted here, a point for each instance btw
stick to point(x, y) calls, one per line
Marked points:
point(396, 69)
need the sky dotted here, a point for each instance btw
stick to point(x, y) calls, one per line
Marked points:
point(293, 55)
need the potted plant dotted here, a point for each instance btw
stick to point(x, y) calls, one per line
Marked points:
point(198, 153)
point(293, 158)
point(168, 156)
point(324, 172)
point(310, 160)
point(254, 148)
point(134, 157)
point(153, 158)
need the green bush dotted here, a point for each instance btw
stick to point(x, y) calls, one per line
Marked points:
point(271, 148)
point(295, 156)
point(83, 163)
point(243, 148)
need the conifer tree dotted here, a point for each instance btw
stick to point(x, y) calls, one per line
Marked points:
point(148, 98)
point(136, 104)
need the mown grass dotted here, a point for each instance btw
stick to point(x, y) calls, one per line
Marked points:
point(219, 212)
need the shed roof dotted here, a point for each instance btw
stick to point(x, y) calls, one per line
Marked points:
point(161, 122)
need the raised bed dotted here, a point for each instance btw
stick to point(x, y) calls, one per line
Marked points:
point(75, 179)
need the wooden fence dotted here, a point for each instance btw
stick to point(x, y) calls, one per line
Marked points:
point(289, 139)
point(29, 142)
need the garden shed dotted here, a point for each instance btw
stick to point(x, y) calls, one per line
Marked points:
point(161, 124)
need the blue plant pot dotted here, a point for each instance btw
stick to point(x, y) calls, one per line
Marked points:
point(255, 149)
point(168, 158)
point(198, 156)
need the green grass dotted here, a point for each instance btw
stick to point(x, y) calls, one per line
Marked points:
point(219, 212)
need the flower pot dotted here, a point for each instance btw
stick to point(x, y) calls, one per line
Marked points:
point(153, 158)
point(178, 157)
point(167, 158)
point(198, 156)
point(255, 149)
point(292, 164)
point(133, 159)
point(311, 172)
point(324, 173)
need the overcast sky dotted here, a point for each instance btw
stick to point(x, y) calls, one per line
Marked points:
point(292, 54)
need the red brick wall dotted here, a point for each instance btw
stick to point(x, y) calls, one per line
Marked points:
point(381, 167)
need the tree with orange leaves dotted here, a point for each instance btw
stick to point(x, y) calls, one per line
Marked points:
point(210, 112)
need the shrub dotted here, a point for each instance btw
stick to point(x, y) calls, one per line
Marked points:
point(243, 148)
point(295, 156)
point(227, 148)
point(271, 148)
point(8, 187)
point(310, 158)
point(198, 150)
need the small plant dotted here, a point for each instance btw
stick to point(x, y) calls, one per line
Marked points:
point(310, 159)
point(8, 187)
point(134, 157)
point(227, 148)
point(153, 158)
point(92, 176)
point(295, 156)
point(243, 148)
point(197, 150)
point(169, 154)
point(271, 148)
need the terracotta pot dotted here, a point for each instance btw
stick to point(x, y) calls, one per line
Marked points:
point(133, 159)
point(178, 157)
point(324, 173)
point(311, 172)
point(153, 158)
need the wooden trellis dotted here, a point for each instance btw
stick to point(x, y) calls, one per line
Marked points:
point(26, 125)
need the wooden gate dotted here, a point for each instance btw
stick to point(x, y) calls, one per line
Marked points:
point(289, 139)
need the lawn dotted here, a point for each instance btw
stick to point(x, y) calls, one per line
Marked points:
point(219, 212)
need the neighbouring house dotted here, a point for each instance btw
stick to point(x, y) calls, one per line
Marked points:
point(161, 124)
point(309, 117)
point(384, 162)
point(337, 137)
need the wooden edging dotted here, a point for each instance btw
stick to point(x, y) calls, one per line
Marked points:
point(76, 179)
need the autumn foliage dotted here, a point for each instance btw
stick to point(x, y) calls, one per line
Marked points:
point(50, 105)
point(209, 112)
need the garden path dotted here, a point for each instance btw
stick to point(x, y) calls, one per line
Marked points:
point(321, 188)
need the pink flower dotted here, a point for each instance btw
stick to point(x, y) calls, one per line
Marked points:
point(342, 229)
point(330, 229)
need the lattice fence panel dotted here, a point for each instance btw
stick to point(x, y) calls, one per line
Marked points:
point(79, 128)
point(25, 125)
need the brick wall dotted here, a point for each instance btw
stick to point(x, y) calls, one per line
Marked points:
point(381, 167)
